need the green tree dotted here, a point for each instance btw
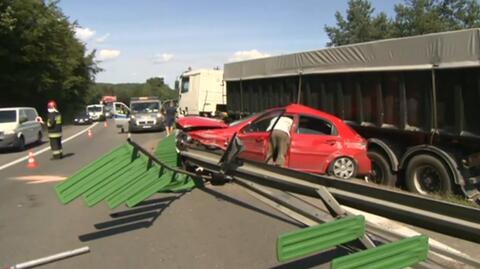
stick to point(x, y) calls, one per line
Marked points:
point(412, 17)
point(360, 25)
point(40, 58)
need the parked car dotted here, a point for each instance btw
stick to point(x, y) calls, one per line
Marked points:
point(320, 143)
point(82, 118)
point(19, 126)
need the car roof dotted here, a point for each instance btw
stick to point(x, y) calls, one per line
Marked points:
point(301, 109)
point(15, 108)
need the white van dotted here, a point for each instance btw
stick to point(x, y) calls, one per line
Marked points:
point(96, 112)
point(19, 126)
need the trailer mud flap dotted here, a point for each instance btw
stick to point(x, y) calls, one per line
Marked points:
point(128, 174)
point(396, 255)
point(313, 239)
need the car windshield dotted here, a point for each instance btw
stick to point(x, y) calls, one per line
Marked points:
point(82, 115)
point(146, 107)
point(8, 116)
point(94, 109)
point(240, 121)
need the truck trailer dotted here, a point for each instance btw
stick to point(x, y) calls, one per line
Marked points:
point(415, 99)
point(200, 91)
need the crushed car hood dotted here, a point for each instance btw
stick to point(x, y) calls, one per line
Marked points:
point(196, 122)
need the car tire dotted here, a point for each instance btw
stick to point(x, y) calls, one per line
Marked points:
point(427, 174)
point(21, 143)
point(39, 137)
point(382, 173)
point(343, 167)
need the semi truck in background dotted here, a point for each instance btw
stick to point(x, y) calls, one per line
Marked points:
point(200, 91)
point(415, 99)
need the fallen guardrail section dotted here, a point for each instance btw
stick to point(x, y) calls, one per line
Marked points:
point(128, 174)
point(281, 187)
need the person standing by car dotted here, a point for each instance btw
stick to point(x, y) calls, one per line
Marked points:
point(170, 114)
point(54, 125)
point(279, 140)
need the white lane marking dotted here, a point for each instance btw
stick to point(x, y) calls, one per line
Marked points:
point(38, 179)
point(19, 160)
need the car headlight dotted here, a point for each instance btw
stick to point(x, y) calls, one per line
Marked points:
point(132, 117)
point(159, 115)
point(9, 132)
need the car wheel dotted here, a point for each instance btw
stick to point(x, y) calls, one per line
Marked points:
point(39, 138)
point(343, 167)
point(427, 174)
point(21, 143)
point(381, 172)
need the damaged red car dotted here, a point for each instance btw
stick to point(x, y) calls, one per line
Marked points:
point(319, 142)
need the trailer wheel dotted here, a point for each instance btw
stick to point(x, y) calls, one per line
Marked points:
point(427, 174)
point(381, 172)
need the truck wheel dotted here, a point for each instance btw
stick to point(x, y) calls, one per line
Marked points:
point(381, 172)
point(343, 167)
point(427, 174)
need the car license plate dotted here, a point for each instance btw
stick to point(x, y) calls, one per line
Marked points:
point(146, 126)
point(81, 121)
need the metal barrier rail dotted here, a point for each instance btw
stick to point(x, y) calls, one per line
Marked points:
point(456, 220)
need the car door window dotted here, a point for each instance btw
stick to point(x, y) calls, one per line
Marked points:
point(31, 115)
point(22, 115)
point(262, 124)
point(315, 126)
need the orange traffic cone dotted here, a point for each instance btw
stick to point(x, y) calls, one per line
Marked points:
point(89, 133)
point(31, 161)
point(105, 124)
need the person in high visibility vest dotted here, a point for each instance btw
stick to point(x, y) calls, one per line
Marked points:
point(54, 125)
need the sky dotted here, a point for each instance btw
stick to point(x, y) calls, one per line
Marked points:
point(137, 40)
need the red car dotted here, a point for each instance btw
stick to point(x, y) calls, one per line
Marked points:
point(320, 142)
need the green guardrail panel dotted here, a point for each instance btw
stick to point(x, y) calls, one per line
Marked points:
point(313, 239)
point(150, 190)
point(404, 253)
point(135, 186)
point(166, 151)
point(81, 181)
point(136, 169)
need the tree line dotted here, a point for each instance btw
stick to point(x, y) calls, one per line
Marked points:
point(152, 87)
point(412, 17)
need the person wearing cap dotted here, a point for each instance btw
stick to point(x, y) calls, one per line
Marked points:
point(54, 125)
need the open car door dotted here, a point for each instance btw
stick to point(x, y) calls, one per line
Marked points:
point(120, 114)
point(255, 137)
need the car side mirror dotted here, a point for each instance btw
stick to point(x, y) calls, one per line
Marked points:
point(23, 119)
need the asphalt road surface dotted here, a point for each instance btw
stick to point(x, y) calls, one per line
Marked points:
point(216, 227)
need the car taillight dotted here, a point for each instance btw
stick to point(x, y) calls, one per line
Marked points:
point(357, 144)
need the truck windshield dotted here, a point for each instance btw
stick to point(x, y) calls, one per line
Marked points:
point(146, 107)
point(8, 116)
point(94, 109)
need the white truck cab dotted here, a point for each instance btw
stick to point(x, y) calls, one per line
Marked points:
point(19, 126)
point(201, 91)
